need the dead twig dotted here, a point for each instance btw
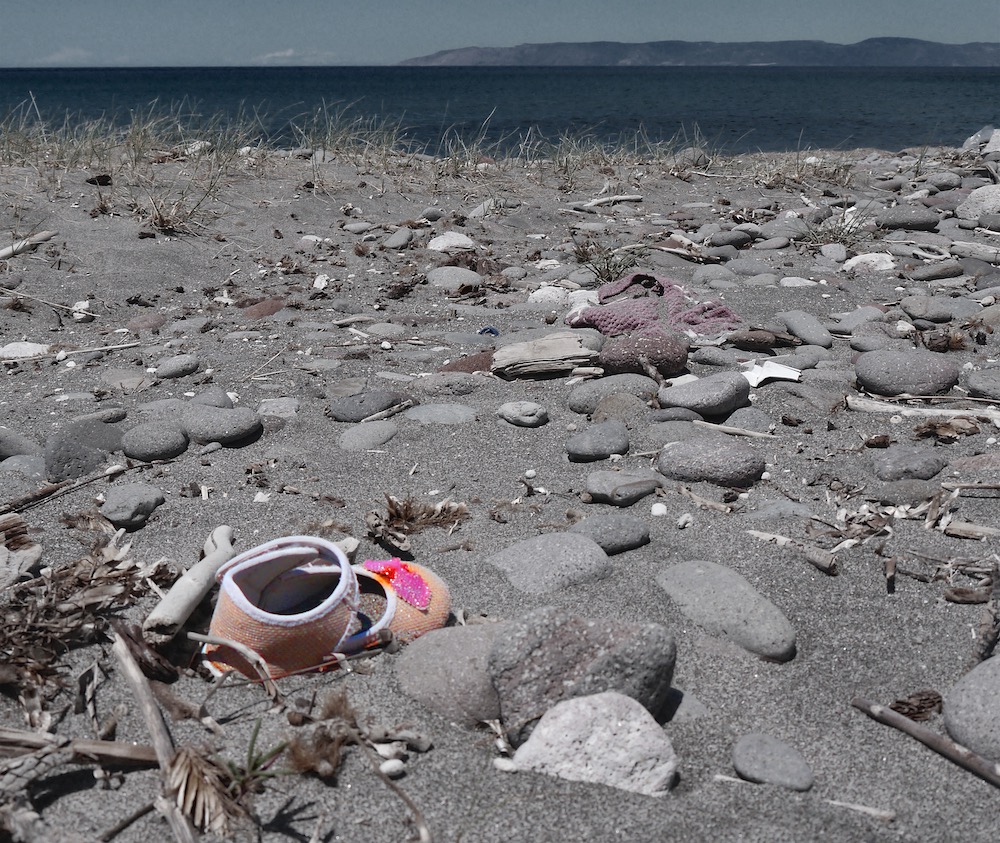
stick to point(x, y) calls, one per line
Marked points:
point(15, 742)
point(816, 556)
point(67, 352)
point(25, 501)
point(703, 502)
point(968, 530)
point(964, 757)
point(163, 744)
point(391, 411)
point(51, 491)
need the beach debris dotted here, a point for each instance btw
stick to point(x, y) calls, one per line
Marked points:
point(27, 244)
point(319, 747)
point(174, 609)
point(554, 354)
point(962, 756)
point(919, 706)
point(869, 405)
point(875, 813)
point(68, 606)
point(163, 745)
point(20, 555)
point(407, 516)
point(823, 560)
point(756, 373)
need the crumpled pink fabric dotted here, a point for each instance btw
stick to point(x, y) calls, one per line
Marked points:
point(654, 306)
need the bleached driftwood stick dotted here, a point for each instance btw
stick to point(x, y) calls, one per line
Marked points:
point(171, 613)
point(869, 405)
point(733, 431)
point(612, 200)
point(26, 244)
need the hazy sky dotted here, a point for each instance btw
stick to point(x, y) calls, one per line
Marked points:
point(63, 33)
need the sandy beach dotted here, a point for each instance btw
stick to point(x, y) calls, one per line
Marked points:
point(288, 284)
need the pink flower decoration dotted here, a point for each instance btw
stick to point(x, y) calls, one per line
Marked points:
point(406, 582)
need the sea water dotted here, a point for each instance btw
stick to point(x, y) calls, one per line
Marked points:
point(732, 109)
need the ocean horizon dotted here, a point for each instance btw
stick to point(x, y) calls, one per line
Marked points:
point(733, 110)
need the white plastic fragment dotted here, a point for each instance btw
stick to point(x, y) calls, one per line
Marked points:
point(658, 510)
point(768, 370)
point(81, 311)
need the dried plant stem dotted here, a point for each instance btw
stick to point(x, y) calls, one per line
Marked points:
point(163, 744)
point(612, 200)
point(270, 688)
point(964, 757)
point(256, 372)
point(32, 498)
point(56, 490)
point(391, 411)
point(68, 352)
point(56, 305)
point(111, 753)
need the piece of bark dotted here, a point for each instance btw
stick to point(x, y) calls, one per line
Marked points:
point(968, 530)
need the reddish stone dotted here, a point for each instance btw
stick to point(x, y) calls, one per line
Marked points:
point(268, 307)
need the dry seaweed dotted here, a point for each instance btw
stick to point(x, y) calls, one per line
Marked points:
point(950, 430)
point(405, 517)
point(920, 705)
point(68, 607)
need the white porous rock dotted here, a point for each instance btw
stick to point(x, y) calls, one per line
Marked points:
point(606, 738)
point(451, 241)
point(870, 262)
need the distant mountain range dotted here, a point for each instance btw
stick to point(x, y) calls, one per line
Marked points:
point(874, 52)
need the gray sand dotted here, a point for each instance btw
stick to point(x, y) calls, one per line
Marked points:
point(853, 638)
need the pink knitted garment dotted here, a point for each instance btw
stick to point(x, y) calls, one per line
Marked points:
point(654, 306)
